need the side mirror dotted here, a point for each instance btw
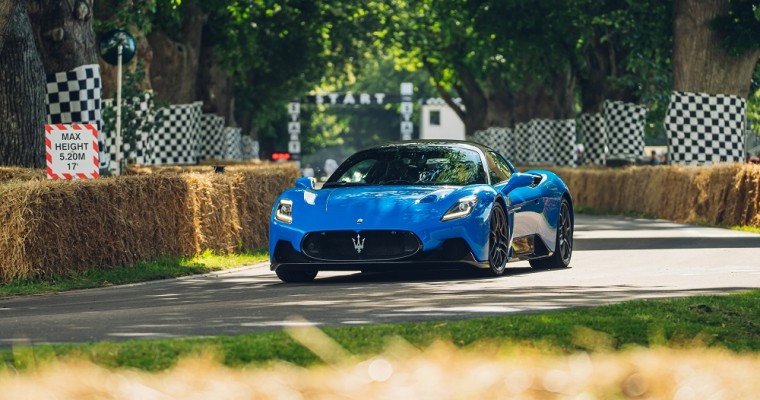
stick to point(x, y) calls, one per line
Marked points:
point(305, 183)
point(518, 180)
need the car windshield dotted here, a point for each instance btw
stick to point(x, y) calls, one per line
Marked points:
point(410, 165)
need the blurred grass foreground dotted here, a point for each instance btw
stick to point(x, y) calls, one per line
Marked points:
point(402, 371)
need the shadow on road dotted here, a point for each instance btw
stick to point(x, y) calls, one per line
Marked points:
point(667, 243)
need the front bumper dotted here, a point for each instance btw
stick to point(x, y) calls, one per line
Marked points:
point(452, 253)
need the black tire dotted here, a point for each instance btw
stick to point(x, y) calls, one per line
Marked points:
point(563, 249)
point(498, 241)
point(296, 275)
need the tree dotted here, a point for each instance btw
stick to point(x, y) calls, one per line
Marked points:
point(624, 50)
point(715, 47)
point(63, 32)
point(22, 90)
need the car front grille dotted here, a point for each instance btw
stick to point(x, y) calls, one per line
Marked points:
point(371, 245)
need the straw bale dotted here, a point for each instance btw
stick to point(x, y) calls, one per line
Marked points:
point(440, 371)
point(725, 194)
point(204, 167)
point(55, 227)
point(22, 174)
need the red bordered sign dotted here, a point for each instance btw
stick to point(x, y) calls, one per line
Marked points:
point(72, 151)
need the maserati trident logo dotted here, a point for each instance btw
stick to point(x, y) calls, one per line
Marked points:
point(358, 243)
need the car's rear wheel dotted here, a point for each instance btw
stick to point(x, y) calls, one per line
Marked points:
point(498, 240)
point(563, 249)
point(288, 275)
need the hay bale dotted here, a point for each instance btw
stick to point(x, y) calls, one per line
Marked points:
point(55, 227)
point(725, 194)
point(21, 174)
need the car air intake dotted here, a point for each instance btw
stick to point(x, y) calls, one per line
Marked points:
point(373, 245)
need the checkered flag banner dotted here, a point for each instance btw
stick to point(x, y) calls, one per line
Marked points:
point(704, 129)
point(174, 140)
point(75, 97)
point(542, 131)
point(564, 142)
point(594, 130)
point(211, 140)
point(250, 148)
point(503, 141)
point(480, 137)
point(233, 143)
point(525, 145)
point(138, 155)
point(625, 130)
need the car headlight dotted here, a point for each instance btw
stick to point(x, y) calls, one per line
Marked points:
point(284, 212)
point(462, 208)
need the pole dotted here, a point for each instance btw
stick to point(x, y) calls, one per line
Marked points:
point(118, 112)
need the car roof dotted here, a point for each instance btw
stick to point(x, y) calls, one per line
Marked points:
point(434, 142)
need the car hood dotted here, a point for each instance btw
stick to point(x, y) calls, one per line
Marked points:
point(375, 207)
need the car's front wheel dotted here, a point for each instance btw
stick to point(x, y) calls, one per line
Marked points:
point(498, 241)
point(288, 275)
point(563, 249)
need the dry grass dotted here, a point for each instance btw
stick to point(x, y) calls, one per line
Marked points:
point(441, 371)
point(726, 194)
point(21, 174)
point(53, 227)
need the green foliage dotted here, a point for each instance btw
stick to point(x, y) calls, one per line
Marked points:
point(139, 112)
point(753, 107)
point(120, 14)
point(740, 27)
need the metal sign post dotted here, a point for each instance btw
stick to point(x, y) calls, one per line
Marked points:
point(116, 48)
point(118, 110)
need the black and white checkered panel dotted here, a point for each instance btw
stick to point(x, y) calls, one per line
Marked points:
point(211, 140)
point(139, 155)
point(250, 148)
point(542, 131)
point(233, 143)
point(625, 130)
point(503, 141)
point(173, 142)
point(483, 137)
point(525, 144)
point(705, 129)
point(594, 131)
point(75, 97)
point(564, 142)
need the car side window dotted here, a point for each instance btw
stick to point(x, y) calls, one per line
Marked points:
point(499, 168)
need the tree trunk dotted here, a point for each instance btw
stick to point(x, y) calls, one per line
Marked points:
point(473, 98)
point(215, 87)
point(22, 90)
point(63, 31)
point(537, 101)
point(174, 71)
point(501, 103)
point(700, 63)
point(604, 63)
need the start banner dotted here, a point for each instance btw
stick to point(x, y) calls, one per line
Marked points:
point(72, 151)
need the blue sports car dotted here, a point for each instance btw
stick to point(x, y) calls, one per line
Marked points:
point(422, 203)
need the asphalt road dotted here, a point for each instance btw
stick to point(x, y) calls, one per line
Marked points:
point(615, 259)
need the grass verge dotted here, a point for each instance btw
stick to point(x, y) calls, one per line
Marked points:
point(170, 267)
point(729, 321)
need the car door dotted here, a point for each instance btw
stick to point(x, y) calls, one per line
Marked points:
point(525, 202)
